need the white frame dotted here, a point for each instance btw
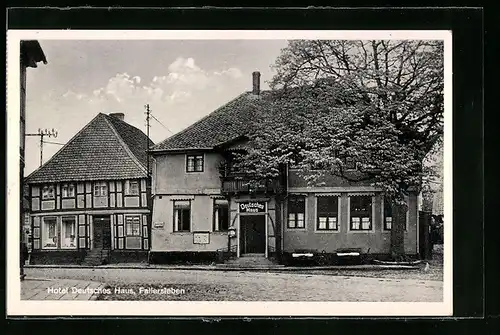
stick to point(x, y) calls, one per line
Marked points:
point(125, 216)
point(213, 230)
point(48, 187)
point(128, 187)
point(62, 231)
point(339, 214)
point(100, 184)
point(186, 162)
point(68, 186)
point(174, 223)
point(42, 233)
point(305, 213)
point(238, 227)
point(361, 231)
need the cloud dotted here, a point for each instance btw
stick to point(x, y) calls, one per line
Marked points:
point(182, 95)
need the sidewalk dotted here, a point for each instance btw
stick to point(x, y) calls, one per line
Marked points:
point(59, 289)
point(225, 267)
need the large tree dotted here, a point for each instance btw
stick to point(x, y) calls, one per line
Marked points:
point(378, 104)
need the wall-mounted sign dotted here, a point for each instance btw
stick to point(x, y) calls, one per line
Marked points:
point(252, 207)
point(158, 224)
point(201, 237)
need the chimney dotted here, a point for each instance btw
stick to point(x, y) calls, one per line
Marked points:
point(119, 116)
point(256, 82)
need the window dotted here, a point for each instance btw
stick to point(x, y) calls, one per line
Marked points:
point(48, 193)
point(68, 190)
point(100, 189)
point(328, 212)
point(132, 187)
point(360, 212)
point(68, 232)
point(61, 234)
point(194, 163)
point(388, 215)
point(221, 215)
point(132, 225)
point(296, 211)
point(182, 215)
point(49, 233)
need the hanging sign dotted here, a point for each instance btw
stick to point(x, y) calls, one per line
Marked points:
point(252, 207)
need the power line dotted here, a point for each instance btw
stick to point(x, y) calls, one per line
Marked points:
point(59, 143)
point(161, 123)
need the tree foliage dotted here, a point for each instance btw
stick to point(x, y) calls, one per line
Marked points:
point(376, 103)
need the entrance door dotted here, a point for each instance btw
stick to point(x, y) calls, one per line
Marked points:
point(102, 232)
point(253, 234)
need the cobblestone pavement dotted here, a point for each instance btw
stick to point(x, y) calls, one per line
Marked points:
point(59, 289)
point(256, 286)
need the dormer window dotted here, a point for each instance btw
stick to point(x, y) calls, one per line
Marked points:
point(48, 192)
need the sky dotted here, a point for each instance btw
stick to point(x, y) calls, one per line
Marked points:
point(181, 80)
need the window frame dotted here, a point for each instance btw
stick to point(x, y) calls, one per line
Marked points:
point(62, 231)
point(295, 228)
point(43, 230)
point(48, 187)
point(338, 216)
point(128, 187)
point(175, 227)
point(68, 187)
point(215, 214)
point(138, 217)
point(100, 186)
point(371, 214)
point(196, 158)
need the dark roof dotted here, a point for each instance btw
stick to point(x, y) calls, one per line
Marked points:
point(226, 123)
point(106, 148)
point(32, 53)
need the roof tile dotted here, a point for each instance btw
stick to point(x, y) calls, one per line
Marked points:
point(226, 123)
point(106, 148)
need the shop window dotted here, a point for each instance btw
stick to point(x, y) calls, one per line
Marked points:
point(182, 215)
point(68, 232)
point(327, 213)
point(296, 211)
point(132, 187)
point(100, 189)
point(49, 233)
point(360, 212)
point(221, 215)
point(68, 190)
point(132, 225)
point(48, 192)
point(194, 163)
point(59, 235)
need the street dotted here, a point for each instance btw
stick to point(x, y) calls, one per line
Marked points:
point(146, 284)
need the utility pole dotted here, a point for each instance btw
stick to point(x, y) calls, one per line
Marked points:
point(148, 117)
point(42, 133)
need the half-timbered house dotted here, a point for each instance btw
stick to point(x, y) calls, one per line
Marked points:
point(90, 203)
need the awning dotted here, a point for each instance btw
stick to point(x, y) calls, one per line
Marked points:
point(181, 197)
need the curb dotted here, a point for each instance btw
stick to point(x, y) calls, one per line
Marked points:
point(231, 268)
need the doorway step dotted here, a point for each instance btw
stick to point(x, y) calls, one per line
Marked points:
point(258, 261)
point(96, 257)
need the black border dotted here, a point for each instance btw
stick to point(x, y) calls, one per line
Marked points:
point(468, 32)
